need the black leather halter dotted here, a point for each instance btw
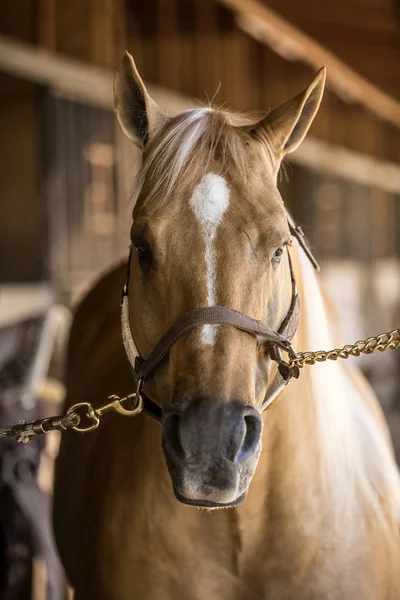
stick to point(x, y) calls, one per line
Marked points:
point(275, 341)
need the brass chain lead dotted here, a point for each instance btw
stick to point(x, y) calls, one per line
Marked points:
point(78, 413)
point(381, 342)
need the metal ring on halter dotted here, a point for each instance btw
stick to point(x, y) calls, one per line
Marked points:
point(287, 369)
point(90, 414)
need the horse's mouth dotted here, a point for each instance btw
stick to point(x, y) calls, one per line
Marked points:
point(210, 504)
point(211, 449)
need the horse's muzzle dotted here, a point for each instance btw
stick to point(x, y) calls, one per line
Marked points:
point(211, 448)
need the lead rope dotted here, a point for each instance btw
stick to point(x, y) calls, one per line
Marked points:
point(134, 404)
point(24, 432)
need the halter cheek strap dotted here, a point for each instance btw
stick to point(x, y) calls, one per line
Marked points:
point(131, 350)
point(150, 408)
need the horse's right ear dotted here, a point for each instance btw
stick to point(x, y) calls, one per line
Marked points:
point(138, 114)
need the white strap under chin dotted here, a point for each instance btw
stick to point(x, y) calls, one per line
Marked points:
point(274, 389)
point(129, 345)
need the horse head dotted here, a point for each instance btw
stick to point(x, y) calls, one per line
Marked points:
point(210, 229)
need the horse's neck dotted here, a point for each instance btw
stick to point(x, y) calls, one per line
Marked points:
point(283, 513)
point(315, 480)
point(326, 463)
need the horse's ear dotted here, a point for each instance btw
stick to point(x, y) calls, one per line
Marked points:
point(138, 114)
point(285, 128)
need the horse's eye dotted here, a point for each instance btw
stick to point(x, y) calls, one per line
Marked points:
point(143, 251)
point(276, 257)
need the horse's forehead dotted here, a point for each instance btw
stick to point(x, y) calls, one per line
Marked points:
point(215, 196)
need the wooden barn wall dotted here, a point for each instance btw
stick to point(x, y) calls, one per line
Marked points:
point(19, 20)
point(193, 47)
point(364, 34)
point(196, 48)
point(22, 205)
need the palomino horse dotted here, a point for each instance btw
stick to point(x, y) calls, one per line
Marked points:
point(311, 482)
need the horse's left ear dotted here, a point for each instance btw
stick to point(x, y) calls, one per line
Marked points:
point(285, 128)
point(138, 114)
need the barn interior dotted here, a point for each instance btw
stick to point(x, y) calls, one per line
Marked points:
point(66, 172)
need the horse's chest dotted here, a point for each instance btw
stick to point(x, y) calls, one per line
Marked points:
point(187, 558)
point(142, 544)
point(331, 576)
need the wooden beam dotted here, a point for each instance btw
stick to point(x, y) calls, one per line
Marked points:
point(347, 164)
point(70, 78)
point(65, 76)
point(93, 85)
point(267, 26)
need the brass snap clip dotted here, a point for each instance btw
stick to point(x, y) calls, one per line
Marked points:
point(114, 403)
point(136, 401)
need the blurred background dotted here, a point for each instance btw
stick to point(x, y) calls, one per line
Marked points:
point(66, 172)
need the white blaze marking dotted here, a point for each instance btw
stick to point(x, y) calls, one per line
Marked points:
point(209, 202)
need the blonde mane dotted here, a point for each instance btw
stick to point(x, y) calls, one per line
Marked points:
point(185, 148)
point(355, 457)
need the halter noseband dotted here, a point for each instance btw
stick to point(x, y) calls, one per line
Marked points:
point(275, 341)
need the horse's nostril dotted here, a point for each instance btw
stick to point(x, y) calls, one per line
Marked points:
point(251, 438)
point(172, 436)
point(206, 432)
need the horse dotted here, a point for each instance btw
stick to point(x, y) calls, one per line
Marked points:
point(250, 488)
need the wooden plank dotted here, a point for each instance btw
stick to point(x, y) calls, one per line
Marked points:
point(120, 30)
point(18, 19)
point(238, 60)
point(134, 37)
point(207, 67)
point(145, 11)
point(73, 33)
point(351, 17)
point(187, 19)
point(108, 28)
point(274, 86)
point(244, 81)
point(227, 26)
point(365, 35)
point(168, 71)
point(264, 24)
point(102, 32)
point(347, 164)
point(46, 24)
point(73, 79)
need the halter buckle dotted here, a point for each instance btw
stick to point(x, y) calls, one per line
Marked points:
point(288, 370)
